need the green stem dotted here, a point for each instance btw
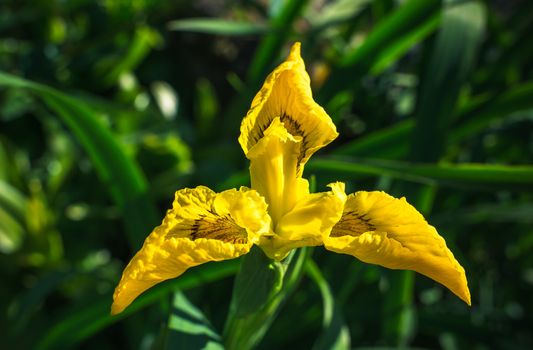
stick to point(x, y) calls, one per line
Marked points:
point(261, 287)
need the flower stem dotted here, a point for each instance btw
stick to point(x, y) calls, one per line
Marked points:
point(261, 287)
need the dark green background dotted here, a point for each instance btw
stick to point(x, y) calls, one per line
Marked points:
point(433, 101)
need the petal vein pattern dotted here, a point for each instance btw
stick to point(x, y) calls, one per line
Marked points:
point(286, 94)
point(379, 229)
point(202, 226)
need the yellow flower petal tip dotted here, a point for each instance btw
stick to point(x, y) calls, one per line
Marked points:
point(379, 229)
point(294, 54)
point(464, 295)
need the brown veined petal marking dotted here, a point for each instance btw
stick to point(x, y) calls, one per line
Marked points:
point(202, 226)
point(379, 229)
point(286, 94)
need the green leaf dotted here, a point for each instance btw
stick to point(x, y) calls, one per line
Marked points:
point(410, 16)
point(27, 303)
point(335, 334)
point(474, 116)
point(143, 41)
point(13, 209)
point(484, 213)
point(206, 108)
point(271, 44)
point(455, 175)
point(4, 163)
point(395, 50)
point(217, 26)
point(13, 201)
point(116, 170)
point(335, 13)
point(452, 57)
point(77, 325)
point(384, 143)
point(259, 278)
point(261, 287)
point(12, 233)
point(189, 328)
point(390, 39)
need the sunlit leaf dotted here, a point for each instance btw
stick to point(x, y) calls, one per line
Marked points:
point(335, 333)
point(452, 57)
point(461, 175)
point(189, 328)
point(217, 26)
point(261, 288)
point(121, 175)
point(390, 39)
point(74, 327)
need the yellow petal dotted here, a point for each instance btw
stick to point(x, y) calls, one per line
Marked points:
point(286, 94)
point(273, 169)
point(379, 229)
point(311, 219)
point(202, 226)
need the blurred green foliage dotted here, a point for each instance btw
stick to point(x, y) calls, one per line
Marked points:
point(108, 107)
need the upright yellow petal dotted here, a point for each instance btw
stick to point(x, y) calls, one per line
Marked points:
point(286, 94)
point(202, 226)
point(311, 219)
point(273, 169)
point(379, 229)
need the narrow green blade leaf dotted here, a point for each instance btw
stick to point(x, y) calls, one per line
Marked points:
point(258, 279)
point(217, 26)
point(452, 57)
point(408, 17)
point(473, 117)
point(483, 213)
point(458, 175)
point(76, 325)
point(143, 41)
point(391, 141)
point(335, 334)
point(335, 13)
point(26, 303)
point(271, 44)
point(11, 232)
point(122, 176)
point(390, 39)
point(261, 287)
point(13, 201)
point(476, 117)
point(391, 53)
point(189, 328)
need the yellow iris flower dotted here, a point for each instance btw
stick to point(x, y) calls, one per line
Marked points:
point(281, 131)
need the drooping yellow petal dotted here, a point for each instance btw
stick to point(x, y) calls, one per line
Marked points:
point(202, 226)
point(273, 169)
point(379, 229)
point(286, 94)
point(311, 219)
